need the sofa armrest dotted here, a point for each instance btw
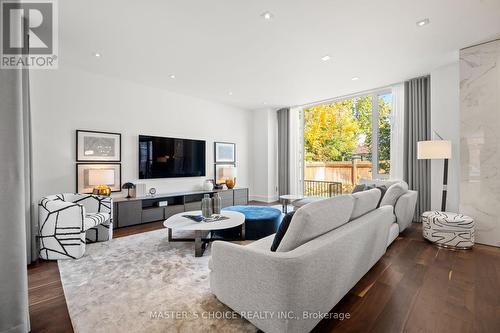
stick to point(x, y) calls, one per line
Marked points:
point(263, 243)
point(62, 213)
point(252, 279)
point(106, 205)
point(405, 209)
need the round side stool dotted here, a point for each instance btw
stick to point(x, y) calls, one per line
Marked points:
point(449, 230)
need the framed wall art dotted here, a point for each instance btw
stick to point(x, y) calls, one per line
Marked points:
point(93, 146)
point(89, 175)
point(224, 152)
point(221, 172)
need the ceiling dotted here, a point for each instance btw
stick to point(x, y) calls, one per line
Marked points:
point(225, 51)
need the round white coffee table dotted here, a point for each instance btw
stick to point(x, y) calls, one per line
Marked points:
point(180, 222)
point(288, 199)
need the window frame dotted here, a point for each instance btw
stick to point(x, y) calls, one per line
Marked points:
point(375, 128)
point(375, 133)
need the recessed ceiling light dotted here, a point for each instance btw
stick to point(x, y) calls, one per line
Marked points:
point(230, 93)
point(423, 22)
point(267, 16)
point(355, 78)
point(326, 58)
point(172, 76)
point(265, 103)
point(97, 54)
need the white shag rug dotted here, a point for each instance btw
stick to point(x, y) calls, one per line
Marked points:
point(143, 283)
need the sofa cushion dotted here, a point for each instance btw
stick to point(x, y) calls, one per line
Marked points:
point(393, 193)
point(365, 202)
point(302, 202)
point(285, 223)
point(315, 219)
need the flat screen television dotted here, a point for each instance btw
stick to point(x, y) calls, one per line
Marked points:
point(170, 157)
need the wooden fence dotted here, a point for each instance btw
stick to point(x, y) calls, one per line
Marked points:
point(346, 172)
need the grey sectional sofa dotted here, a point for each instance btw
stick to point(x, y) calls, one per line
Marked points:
point(404, 206)
point(328, 247)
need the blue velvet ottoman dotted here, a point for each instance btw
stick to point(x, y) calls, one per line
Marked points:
point(260, 221)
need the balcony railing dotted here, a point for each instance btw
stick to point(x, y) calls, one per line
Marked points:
point(322, 188)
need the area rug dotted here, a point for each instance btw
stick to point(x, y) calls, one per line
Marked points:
point(143, 283)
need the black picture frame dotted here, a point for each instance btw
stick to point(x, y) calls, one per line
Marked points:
point(220, 165)
point(80, 158)
point(224, 161)
point(118, 187)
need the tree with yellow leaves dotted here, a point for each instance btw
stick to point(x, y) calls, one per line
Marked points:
point(330, 131)
point(335, 131)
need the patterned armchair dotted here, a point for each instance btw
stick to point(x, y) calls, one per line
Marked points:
point(68, 221)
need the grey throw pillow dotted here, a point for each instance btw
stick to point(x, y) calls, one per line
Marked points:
point(382, 190)
point(359, 188)
point(392, 194)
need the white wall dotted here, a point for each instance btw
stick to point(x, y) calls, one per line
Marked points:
point(445, 120)
point(264, 141)
point(68, 99)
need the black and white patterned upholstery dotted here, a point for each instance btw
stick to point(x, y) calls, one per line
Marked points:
point(68, 221)
point(448, 229)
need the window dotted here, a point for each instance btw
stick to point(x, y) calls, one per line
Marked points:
point(382, 119)
point(346, 140)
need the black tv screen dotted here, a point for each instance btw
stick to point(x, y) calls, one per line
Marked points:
point(170, 157)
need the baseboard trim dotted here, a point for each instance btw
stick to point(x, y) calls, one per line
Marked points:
point(263, 198)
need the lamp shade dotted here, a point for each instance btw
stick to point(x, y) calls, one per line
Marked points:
point(128, 186)
point(101, 177)
point(434, 149)
point(229, 172)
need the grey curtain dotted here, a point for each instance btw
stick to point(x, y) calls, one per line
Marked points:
point(283, 151)
point(30, 204)
point(417, 173)
point(13, 272)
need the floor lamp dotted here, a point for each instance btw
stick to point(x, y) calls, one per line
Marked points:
point(437, 150)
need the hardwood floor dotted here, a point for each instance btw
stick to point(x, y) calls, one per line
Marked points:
point(415, 287)
point(418, 287)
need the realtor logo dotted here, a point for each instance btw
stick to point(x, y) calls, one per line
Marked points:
point(29, 34)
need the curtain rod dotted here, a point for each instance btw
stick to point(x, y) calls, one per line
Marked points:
point(335, 99)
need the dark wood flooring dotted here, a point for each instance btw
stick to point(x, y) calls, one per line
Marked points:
point(415, 287)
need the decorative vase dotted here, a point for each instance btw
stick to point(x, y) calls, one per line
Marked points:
point(230, 182)
point(217, 203)
point(206, 206)
point(208, 185)
point(102, 190)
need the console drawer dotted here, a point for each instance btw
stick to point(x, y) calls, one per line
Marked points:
point(172, 210)
point(188, 206)
point(153, 214)
point(129, 213)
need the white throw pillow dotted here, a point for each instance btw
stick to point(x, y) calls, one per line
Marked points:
point(393, 193)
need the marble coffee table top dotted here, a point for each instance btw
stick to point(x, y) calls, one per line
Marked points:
point(179, 222)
